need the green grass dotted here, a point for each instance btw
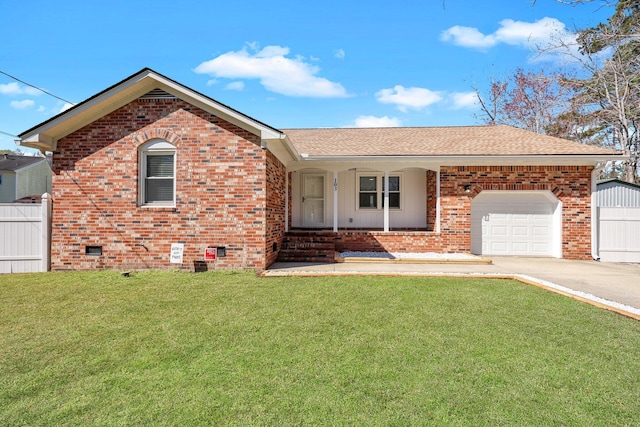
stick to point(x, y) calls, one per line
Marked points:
point(164, 348)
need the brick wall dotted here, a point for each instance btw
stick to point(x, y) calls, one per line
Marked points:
point(570, 184)
point(275, 215)
point(221, 197)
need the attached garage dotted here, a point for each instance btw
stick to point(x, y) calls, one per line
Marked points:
point(524, 223)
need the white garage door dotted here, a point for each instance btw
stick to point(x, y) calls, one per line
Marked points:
point(514, 223)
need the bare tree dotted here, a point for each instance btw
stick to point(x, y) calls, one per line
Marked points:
point(606, 104)
point(526, 100)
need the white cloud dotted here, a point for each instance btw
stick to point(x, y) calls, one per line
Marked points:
point(239, 86)
point(21, 105)
point(65, 107)
point(14, 88)
point(376, 122)
point(468, 37)
point(415, 98)
point(340, 54)
point(462, 100)
point(275, 71)
point(530, 35)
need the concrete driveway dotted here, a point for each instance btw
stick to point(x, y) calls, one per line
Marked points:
point(615, 282)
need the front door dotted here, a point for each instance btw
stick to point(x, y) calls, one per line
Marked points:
point(313, 200)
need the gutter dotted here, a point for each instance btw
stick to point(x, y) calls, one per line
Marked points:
point(463, 157)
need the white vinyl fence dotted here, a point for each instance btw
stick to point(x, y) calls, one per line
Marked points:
point(25, 236)
point(619, 234)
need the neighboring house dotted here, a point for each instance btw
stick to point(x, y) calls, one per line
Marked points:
point(22, 176)
point(148, 163)
point(618, 221)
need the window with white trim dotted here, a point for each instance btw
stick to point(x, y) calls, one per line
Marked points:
point(157, 174)
point(370, 188)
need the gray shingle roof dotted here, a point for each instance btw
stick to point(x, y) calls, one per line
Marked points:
point(12, 162)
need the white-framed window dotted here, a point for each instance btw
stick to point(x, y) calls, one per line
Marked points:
point(157, 180)
point(370, 189)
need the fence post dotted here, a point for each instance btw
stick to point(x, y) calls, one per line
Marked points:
point(46, 232)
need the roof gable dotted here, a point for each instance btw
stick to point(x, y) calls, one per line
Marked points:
point(45, 135)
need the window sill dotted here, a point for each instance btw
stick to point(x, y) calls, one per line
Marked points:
point(157, 206)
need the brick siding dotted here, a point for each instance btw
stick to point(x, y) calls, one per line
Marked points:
point(221, 197)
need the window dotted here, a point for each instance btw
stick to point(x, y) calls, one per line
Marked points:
point(0, 179)
point(371, 191)
point(394, 192)
point(368, 192)
point(157, 174)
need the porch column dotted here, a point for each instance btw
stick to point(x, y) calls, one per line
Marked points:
point(335, 201)
point(386, 201)
point(595, 219)
point(438, 200)
point(286, 202)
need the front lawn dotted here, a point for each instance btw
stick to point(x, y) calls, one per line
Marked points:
point(165, 348)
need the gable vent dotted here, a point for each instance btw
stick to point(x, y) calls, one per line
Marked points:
point(157, 94)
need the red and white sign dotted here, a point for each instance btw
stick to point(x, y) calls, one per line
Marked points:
point(210, 254)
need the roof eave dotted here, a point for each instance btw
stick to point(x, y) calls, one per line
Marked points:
point(471, 160)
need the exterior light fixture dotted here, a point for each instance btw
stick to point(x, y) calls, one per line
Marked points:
point(467, 188)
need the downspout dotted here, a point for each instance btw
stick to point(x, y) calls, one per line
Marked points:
point(595, 220)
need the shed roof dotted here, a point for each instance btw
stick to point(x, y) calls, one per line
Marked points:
point(614, 181)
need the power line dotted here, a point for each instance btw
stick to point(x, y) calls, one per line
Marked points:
point(35, 87)
point(9, 134)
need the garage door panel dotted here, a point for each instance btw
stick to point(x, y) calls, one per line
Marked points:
point(512, 223)
point(541, 231)
point(540, 248)
point(498, 247)
point(519, 231)
point(520, 247)
point(498, 230)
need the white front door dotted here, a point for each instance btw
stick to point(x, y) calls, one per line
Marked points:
point(313, 200)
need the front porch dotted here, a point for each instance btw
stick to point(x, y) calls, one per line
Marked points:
point(395, 198)
point(318, 245)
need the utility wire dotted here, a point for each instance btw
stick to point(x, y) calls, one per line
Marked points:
point(35, 87)
point(9, 134)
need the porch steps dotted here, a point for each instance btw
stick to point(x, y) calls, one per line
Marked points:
point(308, 246)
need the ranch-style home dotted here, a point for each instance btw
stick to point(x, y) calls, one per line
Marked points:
point(152, 174)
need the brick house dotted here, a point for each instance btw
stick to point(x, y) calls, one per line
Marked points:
point(149, 163)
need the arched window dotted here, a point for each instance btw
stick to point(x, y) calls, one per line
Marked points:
point(157, 174)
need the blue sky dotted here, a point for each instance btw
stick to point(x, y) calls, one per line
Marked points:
point(334, 63)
